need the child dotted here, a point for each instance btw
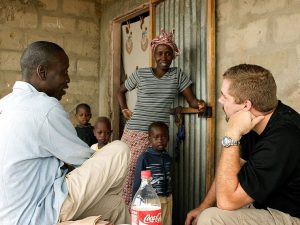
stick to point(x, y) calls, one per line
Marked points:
point(157, 159)
point(84, 129)
point(102, 132)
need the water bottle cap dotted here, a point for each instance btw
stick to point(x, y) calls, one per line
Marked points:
point(145, 174)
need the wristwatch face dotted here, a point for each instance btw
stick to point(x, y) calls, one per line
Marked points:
point(227, 142)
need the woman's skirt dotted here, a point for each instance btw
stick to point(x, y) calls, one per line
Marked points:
point(138, 142)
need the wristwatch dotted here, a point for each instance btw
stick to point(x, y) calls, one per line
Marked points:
point(228, 141)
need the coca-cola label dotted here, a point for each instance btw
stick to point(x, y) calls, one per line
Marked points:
point(143, 217)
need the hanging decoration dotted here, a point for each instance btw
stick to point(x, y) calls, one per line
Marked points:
point(144, 40)
point(179, 121)
point(129, 43)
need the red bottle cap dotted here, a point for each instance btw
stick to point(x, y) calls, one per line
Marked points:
point(145, 174)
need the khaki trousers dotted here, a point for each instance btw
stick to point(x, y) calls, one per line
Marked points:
point(95, 187)
point(246, 216)
point(166, 209)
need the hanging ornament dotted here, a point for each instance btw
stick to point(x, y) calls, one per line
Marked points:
point(144, 40)
point(129, 43)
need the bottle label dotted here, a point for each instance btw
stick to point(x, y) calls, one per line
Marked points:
point(145, 216)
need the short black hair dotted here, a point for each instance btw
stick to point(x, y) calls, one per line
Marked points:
point(38, 53)
point(105, 120)
point(158, 124)
point(83, 106)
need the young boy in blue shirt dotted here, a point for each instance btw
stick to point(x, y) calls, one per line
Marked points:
point(157, 159)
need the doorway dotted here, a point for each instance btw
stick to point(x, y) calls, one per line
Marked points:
point(123, 53)
point(193, 21)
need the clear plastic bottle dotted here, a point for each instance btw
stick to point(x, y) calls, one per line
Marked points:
point(146, 208)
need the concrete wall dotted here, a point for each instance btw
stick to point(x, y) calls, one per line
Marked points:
point(110, 9)
point(73, 24)
point(266, 33)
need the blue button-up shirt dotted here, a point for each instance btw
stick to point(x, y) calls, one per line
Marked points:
point(36, 137)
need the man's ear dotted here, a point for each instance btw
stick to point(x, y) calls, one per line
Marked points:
point(248, 105)
point(41, 71)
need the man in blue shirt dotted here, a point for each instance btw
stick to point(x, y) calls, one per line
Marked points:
point(37, 138)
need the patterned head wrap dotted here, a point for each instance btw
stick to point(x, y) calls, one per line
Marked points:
point(165, 38)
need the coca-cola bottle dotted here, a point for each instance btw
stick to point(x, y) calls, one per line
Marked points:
point(146, 208)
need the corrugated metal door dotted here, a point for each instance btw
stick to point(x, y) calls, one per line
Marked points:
point(189, 19)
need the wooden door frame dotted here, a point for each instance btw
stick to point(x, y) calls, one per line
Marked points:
point(116, 73)
point(211, 73)
point(116, 34)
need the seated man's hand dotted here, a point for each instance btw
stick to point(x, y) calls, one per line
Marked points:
point(191, 217)
point(241, 123)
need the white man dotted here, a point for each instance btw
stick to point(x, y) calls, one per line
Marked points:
point(258, 175)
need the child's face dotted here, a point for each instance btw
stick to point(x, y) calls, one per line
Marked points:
point(102, 133)
point(159, 138)
point(83, 116)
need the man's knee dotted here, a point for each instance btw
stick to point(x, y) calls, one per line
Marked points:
point(213, 216)
point(123, 146)
point(123, 149)
point(118, 147)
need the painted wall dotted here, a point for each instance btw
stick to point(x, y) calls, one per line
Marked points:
point(260, 32)
point(73, 24)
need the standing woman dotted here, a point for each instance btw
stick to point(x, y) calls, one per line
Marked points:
point(157, 89)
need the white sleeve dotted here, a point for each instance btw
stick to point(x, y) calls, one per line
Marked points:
point(59, 137)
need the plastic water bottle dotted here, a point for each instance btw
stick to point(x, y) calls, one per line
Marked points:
point(146, 208)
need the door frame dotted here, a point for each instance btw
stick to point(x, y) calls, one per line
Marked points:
point(116, 48)
point(116, 73)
